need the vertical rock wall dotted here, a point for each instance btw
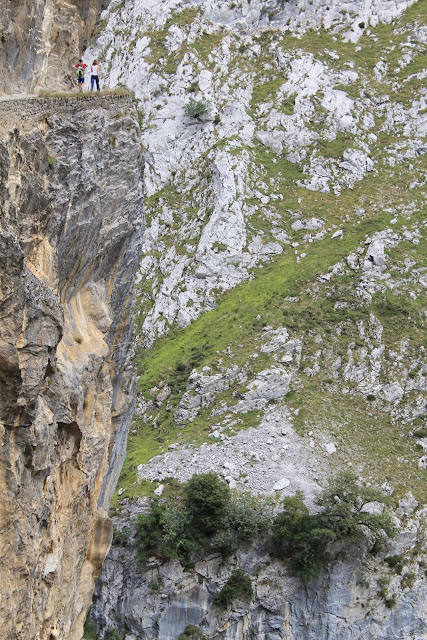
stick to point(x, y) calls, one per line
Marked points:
point(345, 603)
point(70, 237)
point(40, 39)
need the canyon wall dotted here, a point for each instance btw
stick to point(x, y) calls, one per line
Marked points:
point(70, 238)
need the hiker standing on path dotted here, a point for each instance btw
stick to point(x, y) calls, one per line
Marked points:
point(94, 75)
point(80, 73)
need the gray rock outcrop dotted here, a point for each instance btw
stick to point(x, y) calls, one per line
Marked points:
point(358, 597)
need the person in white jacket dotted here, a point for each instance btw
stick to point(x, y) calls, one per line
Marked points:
point(94, 75)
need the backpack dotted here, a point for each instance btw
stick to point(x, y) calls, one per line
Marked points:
point(80, 73)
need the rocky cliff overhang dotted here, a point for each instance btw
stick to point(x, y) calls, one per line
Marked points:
point(70, 238)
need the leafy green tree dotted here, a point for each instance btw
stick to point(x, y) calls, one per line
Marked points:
point(343, 503)
point(246, 518)
point(164, 531)
point(207, 516)
point(301, 538)
point(149, 526)
point(206, 500)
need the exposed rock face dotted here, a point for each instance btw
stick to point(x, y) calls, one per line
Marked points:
point(70, 238)
point(40, 39)
point(344, 603)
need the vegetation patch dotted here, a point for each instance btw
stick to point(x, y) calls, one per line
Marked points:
point(90, 631)
point(191, 632)
point(159, 53)
point(206, 516)
point(237, 587)
point(303, 538)
point(86, 95)
point(349, 420)
point(210, 518)
point(197, 108)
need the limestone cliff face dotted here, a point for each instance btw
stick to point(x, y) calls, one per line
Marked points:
point(357, 596)
point(70, 237)
point(40, 39)
point(344, 603)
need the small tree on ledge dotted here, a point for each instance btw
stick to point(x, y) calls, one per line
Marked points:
point(303, 538)
point(197, 108)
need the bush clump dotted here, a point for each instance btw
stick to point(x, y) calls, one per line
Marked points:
point(238, 586)
point(191, 632)
point(164, 531)
point(303, 538)
point(246, 518)
point(206, 499)
point(420, 433)
point(343, 503)
point(90, 631)
point(209, 517)
point(197, 108)
point(396, 562)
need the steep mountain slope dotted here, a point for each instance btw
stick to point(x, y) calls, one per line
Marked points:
point(282, 287)
point(313, 169)
point(208, 188)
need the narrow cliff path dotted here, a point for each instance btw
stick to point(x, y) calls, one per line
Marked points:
point(17, 96)
point(18, 109)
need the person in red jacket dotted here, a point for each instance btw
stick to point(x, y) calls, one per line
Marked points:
point(80, 73)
